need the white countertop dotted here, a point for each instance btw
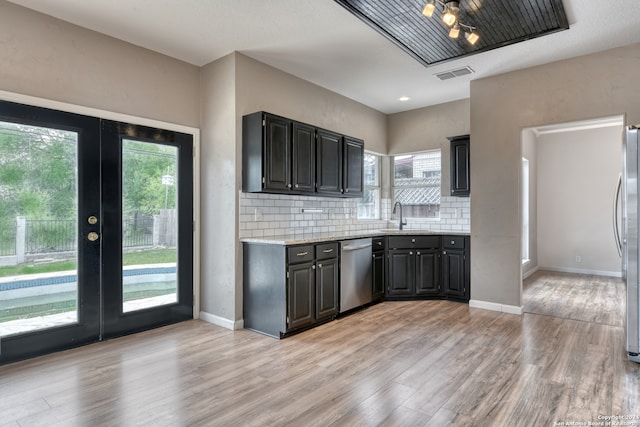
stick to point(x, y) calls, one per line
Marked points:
point(297, 239)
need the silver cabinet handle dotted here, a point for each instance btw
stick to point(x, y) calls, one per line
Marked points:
point(453, 242)
point(413, 240)
point(319, 265)
point(313, 267)
point(417, 253)
point(411, 253)
point(303, 253)
point(297, 186)
point(289, 185)
point(327, 251)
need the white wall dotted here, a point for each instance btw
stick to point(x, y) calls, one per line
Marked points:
point(577, 176)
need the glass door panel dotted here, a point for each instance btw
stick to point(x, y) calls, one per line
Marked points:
point(49, 266)
point(38, 232)
point(149, 224)
point(147, 205)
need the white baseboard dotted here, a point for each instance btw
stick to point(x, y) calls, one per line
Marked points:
point(221, 321)
point(584, 271)
point(530, 272)
point(511, 309)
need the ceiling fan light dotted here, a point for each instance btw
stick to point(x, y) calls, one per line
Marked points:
point(455, 31)
point(472, 37)
point(429, 8)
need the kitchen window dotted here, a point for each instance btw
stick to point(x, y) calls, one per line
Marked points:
point(369, 204)
point(416, 183)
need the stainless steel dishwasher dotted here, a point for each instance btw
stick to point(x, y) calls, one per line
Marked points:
point(355, 273)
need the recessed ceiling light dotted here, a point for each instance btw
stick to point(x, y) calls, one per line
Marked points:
point(404, 98)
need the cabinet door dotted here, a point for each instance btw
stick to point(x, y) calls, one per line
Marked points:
point(401, 274)
point(428, 272)
point(329, 162)
point(460, 180)
point(327, 288)
point(277, 156)
point(304, 158)
point(453, 274)
point(353, 165)
point(300, 295)
point(377, 276)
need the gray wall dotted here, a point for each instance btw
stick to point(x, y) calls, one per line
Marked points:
point(218, 194)
point(428, 129)
point(593, 86)
point(232, 87)
point(48, 58)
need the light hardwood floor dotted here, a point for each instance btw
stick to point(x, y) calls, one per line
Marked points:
point(424, 363)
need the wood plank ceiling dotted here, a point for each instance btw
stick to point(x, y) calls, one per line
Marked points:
point(499, 23)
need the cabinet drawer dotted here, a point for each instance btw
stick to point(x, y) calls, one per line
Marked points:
point(410, 242)
point(427, 242)
point(377, 244)
point(326, 251)
point(401, 242)
point(301, 253)
point(453, 242)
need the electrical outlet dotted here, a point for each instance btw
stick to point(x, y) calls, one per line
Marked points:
point(578, 258)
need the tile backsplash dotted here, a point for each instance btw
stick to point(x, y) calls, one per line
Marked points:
point(266, 215)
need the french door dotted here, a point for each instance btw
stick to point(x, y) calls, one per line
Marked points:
point(95, 229)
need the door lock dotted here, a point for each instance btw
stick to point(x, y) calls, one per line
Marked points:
point(93, 236)
point(92, 220)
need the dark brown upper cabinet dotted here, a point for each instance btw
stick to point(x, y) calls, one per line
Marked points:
point(303, 158)
point(329, 166)
point(280, 155)
point(353, 160)
point(460, 177)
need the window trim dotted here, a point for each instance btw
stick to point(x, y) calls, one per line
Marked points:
point(366, 186)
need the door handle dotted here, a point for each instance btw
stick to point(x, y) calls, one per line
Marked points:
point(93, 236)
point(616, 225)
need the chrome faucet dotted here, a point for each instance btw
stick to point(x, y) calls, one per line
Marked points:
point(394, 212)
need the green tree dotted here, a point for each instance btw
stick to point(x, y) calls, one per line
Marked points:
point(38, 168)
point(143, 166)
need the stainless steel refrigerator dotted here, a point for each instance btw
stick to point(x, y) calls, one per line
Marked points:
point(628, 239)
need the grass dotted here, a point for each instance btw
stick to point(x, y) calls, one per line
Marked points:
point(153, 256)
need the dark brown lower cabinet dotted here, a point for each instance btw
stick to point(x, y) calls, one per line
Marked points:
point(327, 290)
point(377, 277)
point(440, 270)
point(301, 295)
point(455, 267)
point(402, 272)
point(289, 288)
point(428, 272)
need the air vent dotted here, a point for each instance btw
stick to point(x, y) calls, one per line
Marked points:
point(446, 75)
